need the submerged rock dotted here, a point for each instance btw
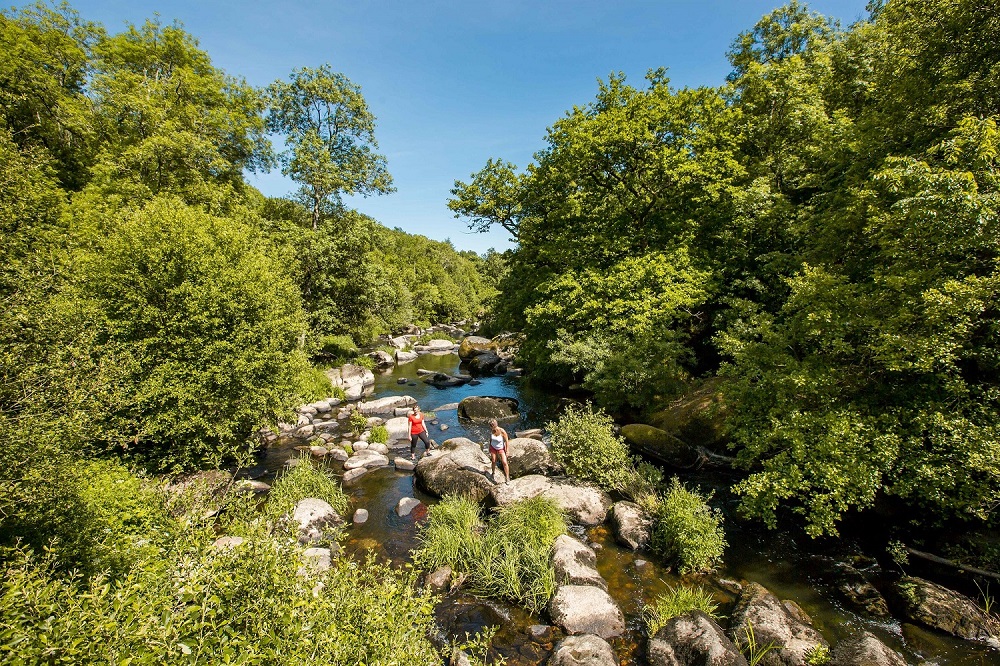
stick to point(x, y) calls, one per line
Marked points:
point(444, 380)
point(406, 505)
point(693, 638)
point(864, 650)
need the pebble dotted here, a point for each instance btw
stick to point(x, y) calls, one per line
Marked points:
point(444, 426)
point(402, 380)
point(641, 563)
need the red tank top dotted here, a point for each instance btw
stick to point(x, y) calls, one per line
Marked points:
point(416, 424)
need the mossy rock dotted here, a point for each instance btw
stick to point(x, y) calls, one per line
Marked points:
point(661, 446)
point(474, 345)
point(483, 408)
point(698, 417)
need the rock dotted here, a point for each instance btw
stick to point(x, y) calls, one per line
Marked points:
point(528, 433)
point(352, 474)
point(386, 405)
point(585, 504)
point(306, 431)
point(459, 467)
point(398, 427)
point(307, 410)
point(382, 359)
point(575, 563)
point(313, 516)
point(693, 638)
point(442, 380)
point(481, 409)
point(584, 609)
point(698, 417)
point(360, 516)
point(406, 357)
point(406, 505)
point(438, 580)
point(352, 379)
point(318, 451)
point(661, 446)
point(404, 464)
point(401, 380)
point(861, 594)
point(366, 458)
point(441, 345)
point(585, 650)
point(475, 382)
point(399, 343)
point(248, 485)
point(541, 632)
point(326, 426)
point(444, 426)
point(529, 456)
point(483, 364)
point(864, 650)
point(446, 408)
point(227, 543)
point(360, 445)
point(937, 607)
point(378, 447)
point(315, 560)
point(632, 525)
point(772, 623)
point(473, 346)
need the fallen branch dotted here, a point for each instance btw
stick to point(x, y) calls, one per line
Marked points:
point(961, 568)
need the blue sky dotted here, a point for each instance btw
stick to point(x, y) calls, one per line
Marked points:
point(454, 83)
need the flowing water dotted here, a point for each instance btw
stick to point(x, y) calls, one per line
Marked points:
point(800, 572)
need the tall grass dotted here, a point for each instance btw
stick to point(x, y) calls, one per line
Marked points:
point(302, 481)
point(506, 558)
point(678, 601)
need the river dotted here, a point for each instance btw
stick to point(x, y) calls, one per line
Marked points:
point(790, 568)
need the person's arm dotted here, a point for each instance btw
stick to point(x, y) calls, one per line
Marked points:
point(505, 439)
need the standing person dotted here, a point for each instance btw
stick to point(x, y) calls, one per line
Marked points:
point(498, 447)
point(418, 431)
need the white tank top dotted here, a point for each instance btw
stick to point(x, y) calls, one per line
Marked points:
point(496, 442)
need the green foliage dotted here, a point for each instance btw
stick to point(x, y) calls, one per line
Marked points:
point(492, 198)
point(330, 134)
point(818, 655)
point(358, 422)
point(678, 601)
point(302, 481)
point(686, 530)
point(751, 649)
point(507, 558)
point(337, 346)
point(191, 332)
point(315, 385)
point(366, 362)
point(584, 442)
point(379, 435)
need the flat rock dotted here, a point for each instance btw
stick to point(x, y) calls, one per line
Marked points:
point(398, 427)
point(584, 650)
point(474, 345)
point(584, 609)
point(528, 456)
point(386, 405)
point(585, 503)
point(249, 485)
point(482, 408)
point(315, 560)
point(937, 607)
point(693, 638)
point(405, 357)
point(864, 650)
point(451, 406)
point(575, 563)
point(458, 467)
point(631, 524)
point(366, 458)
point(378, 448)
point(404, 464)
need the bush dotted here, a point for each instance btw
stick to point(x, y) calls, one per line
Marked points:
point(686, 530)
point(380, 434)
point(337, 346)
point(508, 558)
point(358, 422)
point(315, 385)
point(677, 601)
point(583, 440)
point(366, 362)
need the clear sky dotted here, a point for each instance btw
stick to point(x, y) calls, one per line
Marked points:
point(453, 83)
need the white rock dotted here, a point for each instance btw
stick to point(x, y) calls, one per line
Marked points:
point(404, 464)
point(584, 609)
point(399, 428)
point(575, 563)
point(406, 505)
point(378, 448)
point(405, 357)
point(386, 405)
point(367, 459)
point(360, 516)
point(585, 650)
point(352, 474)
point(583, 502)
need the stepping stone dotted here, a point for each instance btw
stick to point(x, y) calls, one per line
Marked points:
point(360, 516)
point(404, 464)
point(406, 505)
point(352, 474)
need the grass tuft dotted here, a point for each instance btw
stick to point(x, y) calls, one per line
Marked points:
point(678, 601)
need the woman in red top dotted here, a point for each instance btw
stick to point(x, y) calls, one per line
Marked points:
point(418, 431)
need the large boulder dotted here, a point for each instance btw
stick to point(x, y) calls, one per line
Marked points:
point(772, 622)
point(529, 456)
point(693, 638)
point(313, 516)
point(864, 650)
point(583, 650)
point(385, 405)
point(483, 364)
point(473, 346)
point(482, 408)
point(937, 607)
point(698, 417)
point(575, 563)
point(661, 446)
point(352, 379)
point(585, 503)
point(632, 525)
point(459, 468)
point(382, 358)
point(405, 356)
point(584, 609)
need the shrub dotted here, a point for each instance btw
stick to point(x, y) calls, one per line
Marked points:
point(380, 434)
point(677, 601)
point(508, 558)
point(358, 422)
point(337, 346)
point(583, 440)
point(315, 385)
point(366, 362)
point(686, 530)
point(338, 393)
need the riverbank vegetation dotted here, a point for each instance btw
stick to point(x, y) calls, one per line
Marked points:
point(819, 230)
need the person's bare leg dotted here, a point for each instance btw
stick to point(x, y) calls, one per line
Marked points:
point(506, 467)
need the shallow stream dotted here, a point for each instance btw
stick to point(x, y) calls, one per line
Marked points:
point(791, 570)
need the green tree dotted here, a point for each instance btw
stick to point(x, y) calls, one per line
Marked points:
point(493, 197)
point(330, 137)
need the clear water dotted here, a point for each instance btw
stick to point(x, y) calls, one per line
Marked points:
point(773, 559)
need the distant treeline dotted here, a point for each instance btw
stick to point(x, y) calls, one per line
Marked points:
point(822, 230)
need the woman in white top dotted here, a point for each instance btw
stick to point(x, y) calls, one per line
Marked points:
point(498, 448)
